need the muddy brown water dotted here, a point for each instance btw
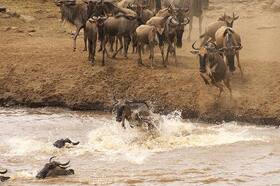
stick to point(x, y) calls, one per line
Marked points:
point(184, 153)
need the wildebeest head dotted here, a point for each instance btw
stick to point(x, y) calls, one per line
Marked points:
point(230, 47)
point(4, 178)
point(181, 16)
point(204, 53)
point(54, 168)
point(228, 19)
point(122, 110)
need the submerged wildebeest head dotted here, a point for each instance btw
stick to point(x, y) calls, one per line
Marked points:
point(54, 168)
point(4, 178)
point(62, 142)
point(228, 19)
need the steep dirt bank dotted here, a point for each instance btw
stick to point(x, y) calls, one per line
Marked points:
point(39, 69)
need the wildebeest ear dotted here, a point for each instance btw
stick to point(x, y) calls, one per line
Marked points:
point(195, 52)
point(235, 18)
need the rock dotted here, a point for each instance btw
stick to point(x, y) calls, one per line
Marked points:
point(27, 18)
point(2, 8)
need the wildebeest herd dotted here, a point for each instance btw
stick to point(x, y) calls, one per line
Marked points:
point(134, 23)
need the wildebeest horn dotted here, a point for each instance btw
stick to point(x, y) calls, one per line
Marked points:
point(234, 16)
point(51, 158)
point(64, 164)
point(75, 143)
point(193, 46)
point(4, 172)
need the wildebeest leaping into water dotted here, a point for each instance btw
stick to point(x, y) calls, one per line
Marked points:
point(137, 113)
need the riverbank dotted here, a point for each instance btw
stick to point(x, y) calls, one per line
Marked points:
point(38, 68)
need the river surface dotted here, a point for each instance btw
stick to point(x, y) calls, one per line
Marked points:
point(183, 153)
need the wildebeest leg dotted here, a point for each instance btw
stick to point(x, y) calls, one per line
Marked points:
point(112, 41)
point(75, 37)
point(93, 51)
point(89, 51)
point(221, 88)
point(104, 43)
point(152, 54)
point(227, 84)
point(167, 52)
point(85, 39)
point(139, 46)
point(204, 79)
point(121, 47)
point(238, 63)
point(162, 55)
point(190, 28)
point(127, 40)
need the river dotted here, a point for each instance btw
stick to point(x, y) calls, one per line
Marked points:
point(183, 153)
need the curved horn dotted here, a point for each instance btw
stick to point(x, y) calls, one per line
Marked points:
point(51, 158)
point(64, 164)
point(193, 46)
point(75, 143)
point(4, 172)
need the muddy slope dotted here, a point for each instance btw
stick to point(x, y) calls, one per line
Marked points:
point(38, 68)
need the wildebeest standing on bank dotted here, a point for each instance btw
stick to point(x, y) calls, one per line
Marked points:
point(4, 178)
point(229, 42)
point(121, 27)
point(146, 35)
point(54, 168)
point(76, 14)
point(212, 66)
point(92, 32)
point(195, 8)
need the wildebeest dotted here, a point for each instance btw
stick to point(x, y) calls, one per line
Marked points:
point(212, 66)
point(212, 28)
point(229, 42)
point(76, 14)
point(4, 178)
point(137, 113)
point(121, 27)
point(54, 168)
point(62, 142)
point(92, 26)
point(195, 8)
point(146, 35)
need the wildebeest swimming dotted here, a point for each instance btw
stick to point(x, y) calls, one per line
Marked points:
point(54, 168)
point(4, 178)
point(62, 142)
